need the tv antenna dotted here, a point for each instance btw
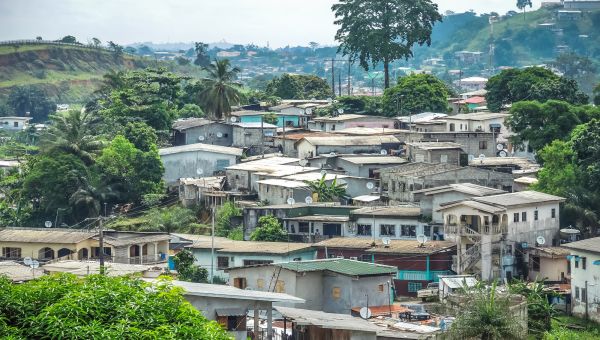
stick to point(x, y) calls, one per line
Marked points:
point(201, 138)
point(540, 240)
point(291, 201)
point(422, 239)
point(308, 200)
point(386, 241)
point(383, 152)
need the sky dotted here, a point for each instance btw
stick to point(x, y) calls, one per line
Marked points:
point(274, 22)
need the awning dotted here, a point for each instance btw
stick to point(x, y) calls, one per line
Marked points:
point(231, 311)
point(596, 263)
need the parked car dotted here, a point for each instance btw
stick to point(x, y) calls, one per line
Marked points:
point(430, 292)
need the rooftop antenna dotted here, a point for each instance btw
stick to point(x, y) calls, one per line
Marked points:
point(370, 185)
point(422, 239)
point(383, 152)
point(233, 119)
point(48, 224)
point(34, 265)
point(291, 201)
point(201, 138)
point(540, 240)
point(308, 200)
point(386, 241)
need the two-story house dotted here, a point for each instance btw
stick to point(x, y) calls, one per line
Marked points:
point(585, 277)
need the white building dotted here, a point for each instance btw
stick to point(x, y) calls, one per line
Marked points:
point(471, 83)
point(493, 231)
point(309, 147)
point(585, 277)
point(477, 122)
point(14, 123)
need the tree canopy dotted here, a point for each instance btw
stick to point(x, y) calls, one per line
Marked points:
point(416, 93)
point(382, 31)
point(221, 90)
point(32, 101)
point(269, 229)
point(298, 86)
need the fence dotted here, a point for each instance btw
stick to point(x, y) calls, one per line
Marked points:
point(18, 43)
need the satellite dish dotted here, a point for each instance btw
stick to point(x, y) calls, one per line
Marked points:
point(27, 261)
point(383, 152)
point(291, 201)
point(48, 224)
point(421, 239)
point(308, 200)
point(303, 162)
point(341, 181)
point(370, 185)
point(219, 134)
point(540, 240)
point(233, 119)
point(34, 264)
point(386, 241)
point(481, 157)
point(500, 146)
point(199, 171)
point(503, 153)
point(323, 172)
point(365, 313)
point(340, 111)
point(201, 138)
point(308, 111)
point(332, 154)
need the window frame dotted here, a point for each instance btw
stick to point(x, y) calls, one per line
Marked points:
point(387, 227)
point(414, 287)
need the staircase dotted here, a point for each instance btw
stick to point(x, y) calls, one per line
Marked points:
point(470, 257)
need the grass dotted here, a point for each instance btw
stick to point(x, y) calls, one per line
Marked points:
point(572, 328)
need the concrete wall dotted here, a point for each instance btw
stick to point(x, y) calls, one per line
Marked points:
point(238, 180)
point(186, 164)
point(353, 292)
point(397, 222)
point(247, 137)
point(529, 230)
point(209, 132)
point(430, 203)
point(578, 278)
point(434, 156)
point(550, 269)
point(279, 195)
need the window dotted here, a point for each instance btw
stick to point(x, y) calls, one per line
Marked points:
point(535, 263)
point(524, 216)
point(336, 293)
point(516, 217)
point(553, 213)
point(576, 293)
point(583, 262)
point(222, 262)
point(240, 282)
point(221, 164)
point(16, 124)
point(364, 229)
point(280, 286)
point(11, 253)
point(583, 295)
point(427, 230)
point(408, 230)
point(535, 215)
point(333, 127)
point(366, 258)
point(225, 135)
point(452, 127)
point(303, 227)
point(260, 284)
point(482, 145)
point(387, 230)
point(255, 262)
point(576, 262)
point(413, 287)
point(380, 288)
point(443, 158)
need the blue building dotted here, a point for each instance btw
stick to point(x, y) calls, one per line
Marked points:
point(287, 119)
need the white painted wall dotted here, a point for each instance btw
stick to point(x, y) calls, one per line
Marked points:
point(578, 278)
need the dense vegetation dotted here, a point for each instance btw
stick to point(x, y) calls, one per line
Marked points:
point(99, 307)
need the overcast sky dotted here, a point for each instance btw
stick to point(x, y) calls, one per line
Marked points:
point(279, 22)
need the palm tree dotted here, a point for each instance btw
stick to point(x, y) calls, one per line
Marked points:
point(326, 192)
point(485, 316)
point(88, 198)
point(220, 92)
point(74, 132)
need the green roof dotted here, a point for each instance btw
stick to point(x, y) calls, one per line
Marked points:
point(341, 266)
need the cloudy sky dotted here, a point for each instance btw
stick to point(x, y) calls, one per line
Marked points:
point(278, 22)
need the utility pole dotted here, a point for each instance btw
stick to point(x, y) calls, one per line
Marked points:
point(340, 83)
point(333, 76)
point(101, 244)
point(212, 241)
point(349, 71)
point(333, 60)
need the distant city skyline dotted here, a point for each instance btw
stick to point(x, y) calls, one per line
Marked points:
point(297, 22)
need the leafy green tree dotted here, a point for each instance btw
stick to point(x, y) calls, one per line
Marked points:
point(223, 218)
point(486, 316)
point(187, 270)
point(141, 135)
point(384, 30)
point(269, 229)
point(522, 4)
point(270, 118)
point(326, 192)
point(586, 139)
point(532, 83)
point(69, 39)
point(100, 307)
point(168, 220)
point(117, 50)
point(596, 94)
point(191, 111)
point(539, 311)
point(74, 132)
point(96, 42)
point(202, 58)
point(89, 197)
point(367, 105)
point(298, 86)
point(416, 93)
point(23, 99)
point(220, 92)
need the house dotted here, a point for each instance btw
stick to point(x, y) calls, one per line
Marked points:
point(417, 263)
point(193, 191)
point(471, 83)
point(434, 152)
point(253, 136)
point(344, 121)
point(196, 160)
point(229, 306)
point(68, 244)
point(200, 130)
point(355, 186)
point(14, 123)
point(279, 191)
point(506, 164)
point(366, 165)
point(244, 176)
point(468, 57)
point(583, 5)
point(524, 183)
point(392, 222)
point(549, 264)
point(472, 143)
point(411, 121)
point(366, 131)
point(477, 122)
point(471, 104)
point(585, 277)
point(398, 182)
point(283, 119)
point(230, 253)
point(285, 142)
point(328, 285)
point(431, 199)
point(452, 284)
point(492, 232)
point(309, 147)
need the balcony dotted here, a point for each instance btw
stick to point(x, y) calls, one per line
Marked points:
point(464, 229)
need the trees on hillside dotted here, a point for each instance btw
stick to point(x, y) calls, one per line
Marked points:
point(375, 32)
point(100, 307)
point(298, 86)
point(416, 93)
point(269, 229)
point(30, 101)
point(202, 59)
point(221, 91)
point(532, 83)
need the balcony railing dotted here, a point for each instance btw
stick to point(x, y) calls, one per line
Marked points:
point(465, 229)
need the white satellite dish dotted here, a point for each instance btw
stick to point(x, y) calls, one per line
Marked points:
point(233, 119)
point(27, 261)
point(365, 313)
point(340, 111)
point(500, 147)
point(308, 200)
point(421, 239)
point(383, 152)
point(291, 201)
point(34, 264)
point(323, 172)
point(199, 171)
point(332, 154)
point(540, 240)
point(370, 185)
point(308, 111)
point(503, 153)
point(48, 224)
point(386, 241)
point(219, 134)
point(303, 162)
point(481, 157)
point(201, 138)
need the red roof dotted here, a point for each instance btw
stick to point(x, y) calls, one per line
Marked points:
point(474, 100)
point(383, 310)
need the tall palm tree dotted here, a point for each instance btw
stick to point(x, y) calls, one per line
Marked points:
point(74, 132)
point(220, 91)
point(87, 200)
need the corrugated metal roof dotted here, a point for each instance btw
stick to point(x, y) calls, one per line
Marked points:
point(230, 246)
point(327, 320)
point(590, 244)
point(134, 239)
point(255, 125)
point(320, 218)
point(519, 198)
point(184, 124)
point(283, 183)
point(392, 211)
point(435, 145)
point(477, 116)
point(39, 235)
point(467, 188)
point(398, 247)
point(350, 140)
point(378, 159)
point(342, 118)
point(201, 147)
point(263, 164)
point(458, 281)
point(340, 266)
point(83, 268)
point(520, 162)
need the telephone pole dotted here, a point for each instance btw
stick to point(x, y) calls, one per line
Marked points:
point(333, 60)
